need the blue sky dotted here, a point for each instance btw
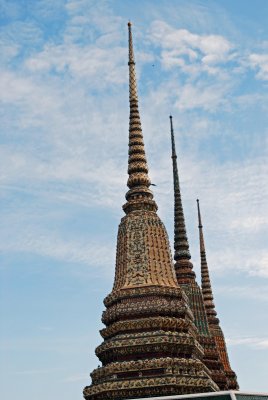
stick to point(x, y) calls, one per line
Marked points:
point(64, 134)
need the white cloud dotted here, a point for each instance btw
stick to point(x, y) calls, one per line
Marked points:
point(183, 48)
point(73, 134)
point(207, 97)
point(25, 34)
point(92, 21)
point(239, 257)
point(9, 50)
point(259, 62)
point(255, 342)
point(49, 244)
point(77, 377)
point(99, 66)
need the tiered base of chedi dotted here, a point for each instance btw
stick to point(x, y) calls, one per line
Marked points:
point(150, 345)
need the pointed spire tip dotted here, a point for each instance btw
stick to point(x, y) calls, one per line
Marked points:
point(200, 226)
point(139, 195)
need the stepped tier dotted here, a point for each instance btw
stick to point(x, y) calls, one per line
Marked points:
point(151, 344)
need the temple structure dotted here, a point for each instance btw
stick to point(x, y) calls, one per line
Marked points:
point(213, 321)
point(162, 335)
point(151, 343)
point(187, 280)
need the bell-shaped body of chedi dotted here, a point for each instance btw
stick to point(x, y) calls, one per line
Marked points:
point(150, 345)
point(213, 321)
point(186, 279)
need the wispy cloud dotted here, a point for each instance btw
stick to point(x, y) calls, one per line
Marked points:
point(192, 53)
point(259, 62)
point(89, 63)
point(72, 136)
point(201, 95)
point(77, 377)
point(50, 244)
point(255, 342)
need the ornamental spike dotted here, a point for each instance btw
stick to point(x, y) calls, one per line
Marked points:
point(182, 254)
point(205, 278)
point(139, 195)
point(200, 226)
point(214, 323)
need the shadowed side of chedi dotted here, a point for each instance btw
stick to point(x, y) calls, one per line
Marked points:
point(150, 341)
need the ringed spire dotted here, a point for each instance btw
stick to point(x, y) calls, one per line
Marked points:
point(205, 278)
point(182, 255)
point(213, 321)
point(139, 195)
point(186, 279)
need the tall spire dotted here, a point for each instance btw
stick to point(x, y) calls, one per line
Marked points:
point(182, 254)
point(214, 323)
point(205, 278)
point(186, 279)
point(139, 195)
